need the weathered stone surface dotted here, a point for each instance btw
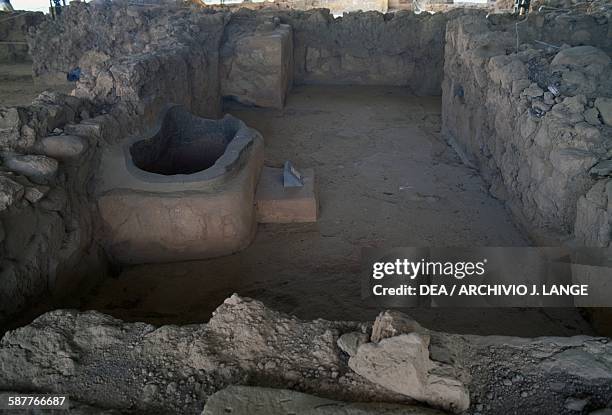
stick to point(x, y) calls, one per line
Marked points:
point(257, 68)
point(62, 147)
point(393, 323)
point(368, 48)
point(175, 369)
point(591, 116)
point(581, 56)
point(244, 400)
point(34, 193)
point(602, 169)
point(10, 192)
point(35, 167)
point(350, 342)
point(402, 364)
point(604, 105)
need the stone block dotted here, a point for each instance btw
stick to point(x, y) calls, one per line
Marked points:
point(279, 204)
point(257, 69)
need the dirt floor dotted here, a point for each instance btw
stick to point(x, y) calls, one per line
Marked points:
point(385, 178)
point(17, 87)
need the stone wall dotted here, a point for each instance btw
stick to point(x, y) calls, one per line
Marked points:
point(362, 48)
point(140, 56)
point(14, 27)
point(533, 147)
point(391, 360)
point(368, 48)
point(46, 220)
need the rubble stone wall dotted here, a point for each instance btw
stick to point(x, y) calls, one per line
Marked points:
point(368, 48)
point(362, 48)
point(143, 56)
point(14, 28)
point(534, 147)
point(176, 369)
point(48, 158)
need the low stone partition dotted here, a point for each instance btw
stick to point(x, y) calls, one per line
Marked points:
point(393, 360)
point(14, 27)
point(534, 122)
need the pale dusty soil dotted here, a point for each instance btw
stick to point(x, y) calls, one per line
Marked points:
point(18, 88)
point(386, 179)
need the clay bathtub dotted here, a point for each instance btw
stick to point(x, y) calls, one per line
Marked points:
point(184, 191)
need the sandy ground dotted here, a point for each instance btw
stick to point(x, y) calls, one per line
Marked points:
point(17, 87)
point(386, 179)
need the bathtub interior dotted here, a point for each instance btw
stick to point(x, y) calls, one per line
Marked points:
point(185, 144)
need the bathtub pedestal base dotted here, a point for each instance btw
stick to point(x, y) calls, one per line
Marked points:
point(279, 204)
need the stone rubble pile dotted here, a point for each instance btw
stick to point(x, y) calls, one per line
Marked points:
point(106, 363)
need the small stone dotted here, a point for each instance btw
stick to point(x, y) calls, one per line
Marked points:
point(549, 98)
point(577, 405)
point(604, 105)
point(592, 116)
point(62, 146)
point(35, 193)
point(533, 91)
point(540, 106)
point(392, 323)
point(150, 392)
point(602, 169)
point(10, 192)
point(350, 342)
point(38, 168)
point(171, 388)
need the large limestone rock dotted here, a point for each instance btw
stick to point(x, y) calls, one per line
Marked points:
point(63, 147)
point(402, 364)
point(243, 400)
point(35, 167)
point(581, 56)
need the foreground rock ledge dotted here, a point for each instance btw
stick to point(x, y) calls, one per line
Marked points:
point(106, 363)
